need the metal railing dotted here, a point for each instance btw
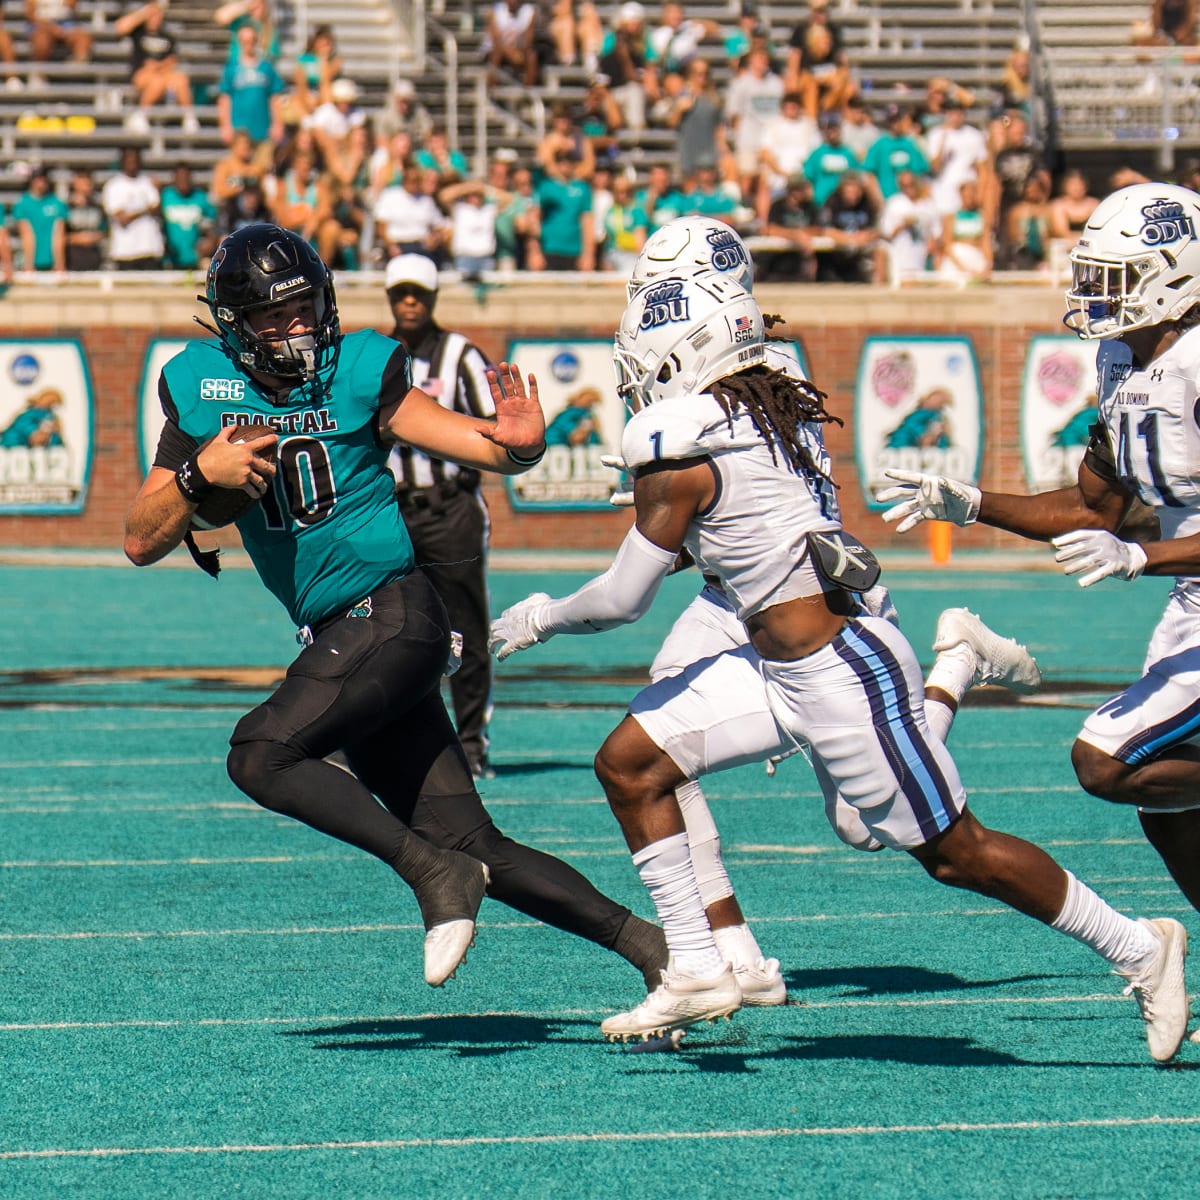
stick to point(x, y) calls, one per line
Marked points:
point(410, 16)
point(1139, 99)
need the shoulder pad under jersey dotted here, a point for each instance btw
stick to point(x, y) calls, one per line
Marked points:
point(1186, 352)
point(781, 359)
point(680, 428)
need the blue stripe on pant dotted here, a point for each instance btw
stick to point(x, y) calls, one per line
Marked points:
point(1170, 732)
point(882, 677)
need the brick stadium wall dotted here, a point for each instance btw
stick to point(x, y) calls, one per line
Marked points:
point(832, 323)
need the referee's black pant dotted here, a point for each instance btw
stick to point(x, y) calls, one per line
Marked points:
point(449, 529)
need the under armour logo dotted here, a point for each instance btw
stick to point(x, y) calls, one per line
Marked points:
point(1156, 375)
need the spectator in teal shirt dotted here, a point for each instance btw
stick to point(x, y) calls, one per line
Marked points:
point(896, 151)
point(706, 197)
point(41, 219)
point(188, 215)
point(250, 93)
point(448, 165)
point(249, 14)
point(568, 232)
point(660, 200)
point(830, 160)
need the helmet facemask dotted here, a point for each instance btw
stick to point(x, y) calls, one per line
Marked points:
point(1107, 296)
point(299, 358)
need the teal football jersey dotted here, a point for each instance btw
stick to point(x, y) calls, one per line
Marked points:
point(329, 531)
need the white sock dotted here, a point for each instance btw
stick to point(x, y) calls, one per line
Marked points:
point(953, 670)
point(666, 869)
point(738, 946)
point(704, 844)
point(1119, 940)
point(939, 717)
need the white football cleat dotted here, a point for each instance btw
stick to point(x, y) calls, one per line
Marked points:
point(446, 947)
point(761, 985)
point(461, 883)
point(998, 660)
point(677, 1002)
point(1161, 991)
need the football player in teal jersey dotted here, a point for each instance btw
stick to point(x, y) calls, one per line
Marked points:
point(328, 541)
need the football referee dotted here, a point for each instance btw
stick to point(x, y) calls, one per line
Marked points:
point(441, 503)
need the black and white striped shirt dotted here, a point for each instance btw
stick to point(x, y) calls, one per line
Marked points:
point(453, 371)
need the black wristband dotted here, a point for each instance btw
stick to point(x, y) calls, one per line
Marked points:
point(527, 462)
point(190, 481)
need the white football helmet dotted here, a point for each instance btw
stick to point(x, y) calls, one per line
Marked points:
point(1137, 261)
point(693, 243)
point(679, 333)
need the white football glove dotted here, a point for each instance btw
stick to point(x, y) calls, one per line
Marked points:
point(1098, 553)
point(929, 498)
point(616, 463)
point(518, 628)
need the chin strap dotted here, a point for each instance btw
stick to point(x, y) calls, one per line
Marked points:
point(207, 560)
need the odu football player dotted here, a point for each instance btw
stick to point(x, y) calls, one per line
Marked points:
point(1135, 288)
point(969, 653)
point(721, 467)
point(328, 540)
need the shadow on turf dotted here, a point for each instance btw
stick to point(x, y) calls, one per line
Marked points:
point(471, 1036)
point(541, 766)
point(892, 981)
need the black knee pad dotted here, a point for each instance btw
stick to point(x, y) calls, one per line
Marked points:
point(255, 767)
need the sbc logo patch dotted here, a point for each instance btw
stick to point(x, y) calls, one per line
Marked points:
point(222, 389)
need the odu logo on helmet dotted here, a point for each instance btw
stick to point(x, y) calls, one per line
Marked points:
point(1166, 222)
point(727, 253)
point(664, 304)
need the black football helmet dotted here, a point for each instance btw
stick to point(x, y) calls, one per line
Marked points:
point(261, 265)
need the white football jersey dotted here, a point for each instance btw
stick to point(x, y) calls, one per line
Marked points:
point(752, 537)
point(1152, 418)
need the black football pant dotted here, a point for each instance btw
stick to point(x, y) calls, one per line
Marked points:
point(449, 537)
point(369, 685)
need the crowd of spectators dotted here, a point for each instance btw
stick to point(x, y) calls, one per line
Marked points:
point(788, 148)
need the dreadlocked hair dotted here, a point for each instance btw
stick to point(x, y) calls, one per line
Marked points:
point(778, 405)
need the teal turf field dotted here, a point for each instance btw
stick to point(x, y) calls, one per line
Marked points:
point(199, 999)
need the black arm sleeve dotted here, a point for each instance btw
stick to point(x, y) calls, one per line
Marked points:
point(174, 446)
point(1099, 456)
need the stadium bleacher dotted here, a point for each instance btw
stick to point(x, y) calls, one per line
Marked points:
point(1106, 91)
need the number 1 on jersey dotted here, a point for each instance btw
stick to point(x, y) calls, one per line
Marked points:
point(1147, 431)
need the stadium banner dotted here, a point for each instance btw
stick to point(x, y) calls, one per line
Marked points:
point(584, 420)
point(1058, 404)
point(159, 351)
point(918, 406)
point(46, 422)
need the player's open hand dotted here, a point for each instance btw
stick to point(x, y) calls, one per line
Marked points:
point(1094, 554)
point(928, 498)
point(518, 627)
point(520, 425)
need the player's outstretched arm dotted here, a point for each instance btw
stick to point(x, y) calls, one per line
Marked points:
point(511, 443)
point(666, 500)
point(1095, 554)
point(1092, 502)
